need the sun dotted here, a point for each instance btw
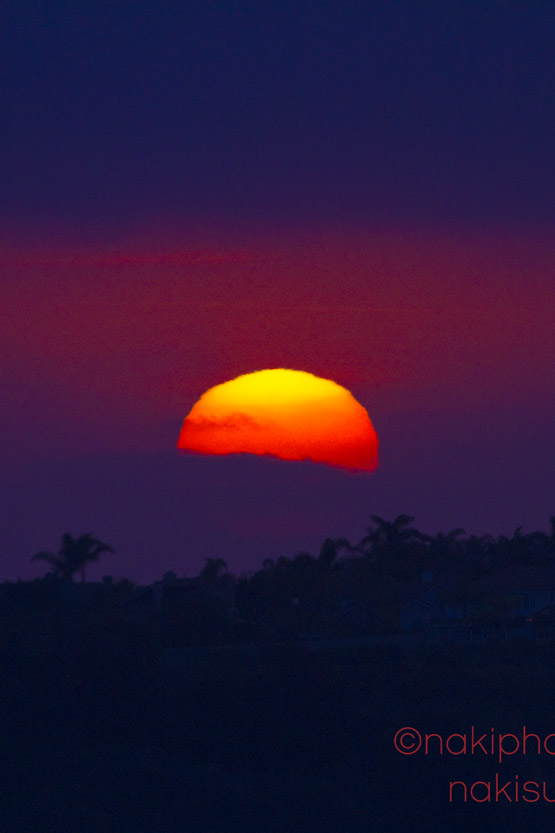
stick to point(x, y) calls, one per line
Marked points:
point(288, 414)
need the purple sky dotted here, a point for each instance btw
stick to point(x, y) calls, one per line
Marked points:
point(188, 194)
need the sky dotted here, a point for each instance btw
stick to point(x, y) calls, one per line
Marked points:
point(190, 192)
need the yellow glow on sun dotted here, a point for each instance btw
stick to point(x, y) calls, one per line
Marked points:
point(285, 413)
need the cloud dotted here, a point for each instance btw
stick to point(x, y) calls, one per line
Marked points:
point(234, 421)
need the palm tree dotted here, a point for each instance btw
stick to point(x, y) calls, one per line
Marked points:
point(330, 550)
point(73, 555)
point(213, 569)
point(479, 555)
point(512, 549)
point(395, 546)
point(392, 534)
point(446, 549)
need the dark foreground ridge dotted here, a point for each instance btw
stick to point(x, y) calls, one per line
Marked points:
point(267, 703)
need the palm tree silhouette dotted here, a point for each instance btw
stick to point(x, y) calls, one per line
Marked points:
point(392, 535)
point(395, 547)
point(446, 549)
point(213, 569)
point(73, 555)
point(330, 550)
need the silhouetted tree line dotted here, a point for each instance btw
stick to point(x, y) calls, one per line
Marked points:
point(74, 555)
point(359, 588)
point(347, 589)
point(104, 733)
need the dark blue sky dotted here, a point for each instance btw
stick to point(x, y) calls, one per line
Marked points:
point(116, 115)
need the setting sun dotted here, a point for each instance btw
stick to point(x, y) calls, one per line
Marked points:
point(283, 413)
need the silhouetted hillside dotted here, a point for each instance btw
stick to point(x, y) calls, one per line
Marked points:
point(200, 703)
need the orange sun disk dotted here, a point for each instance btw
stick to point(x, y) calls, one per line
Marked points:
point(283, 413)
